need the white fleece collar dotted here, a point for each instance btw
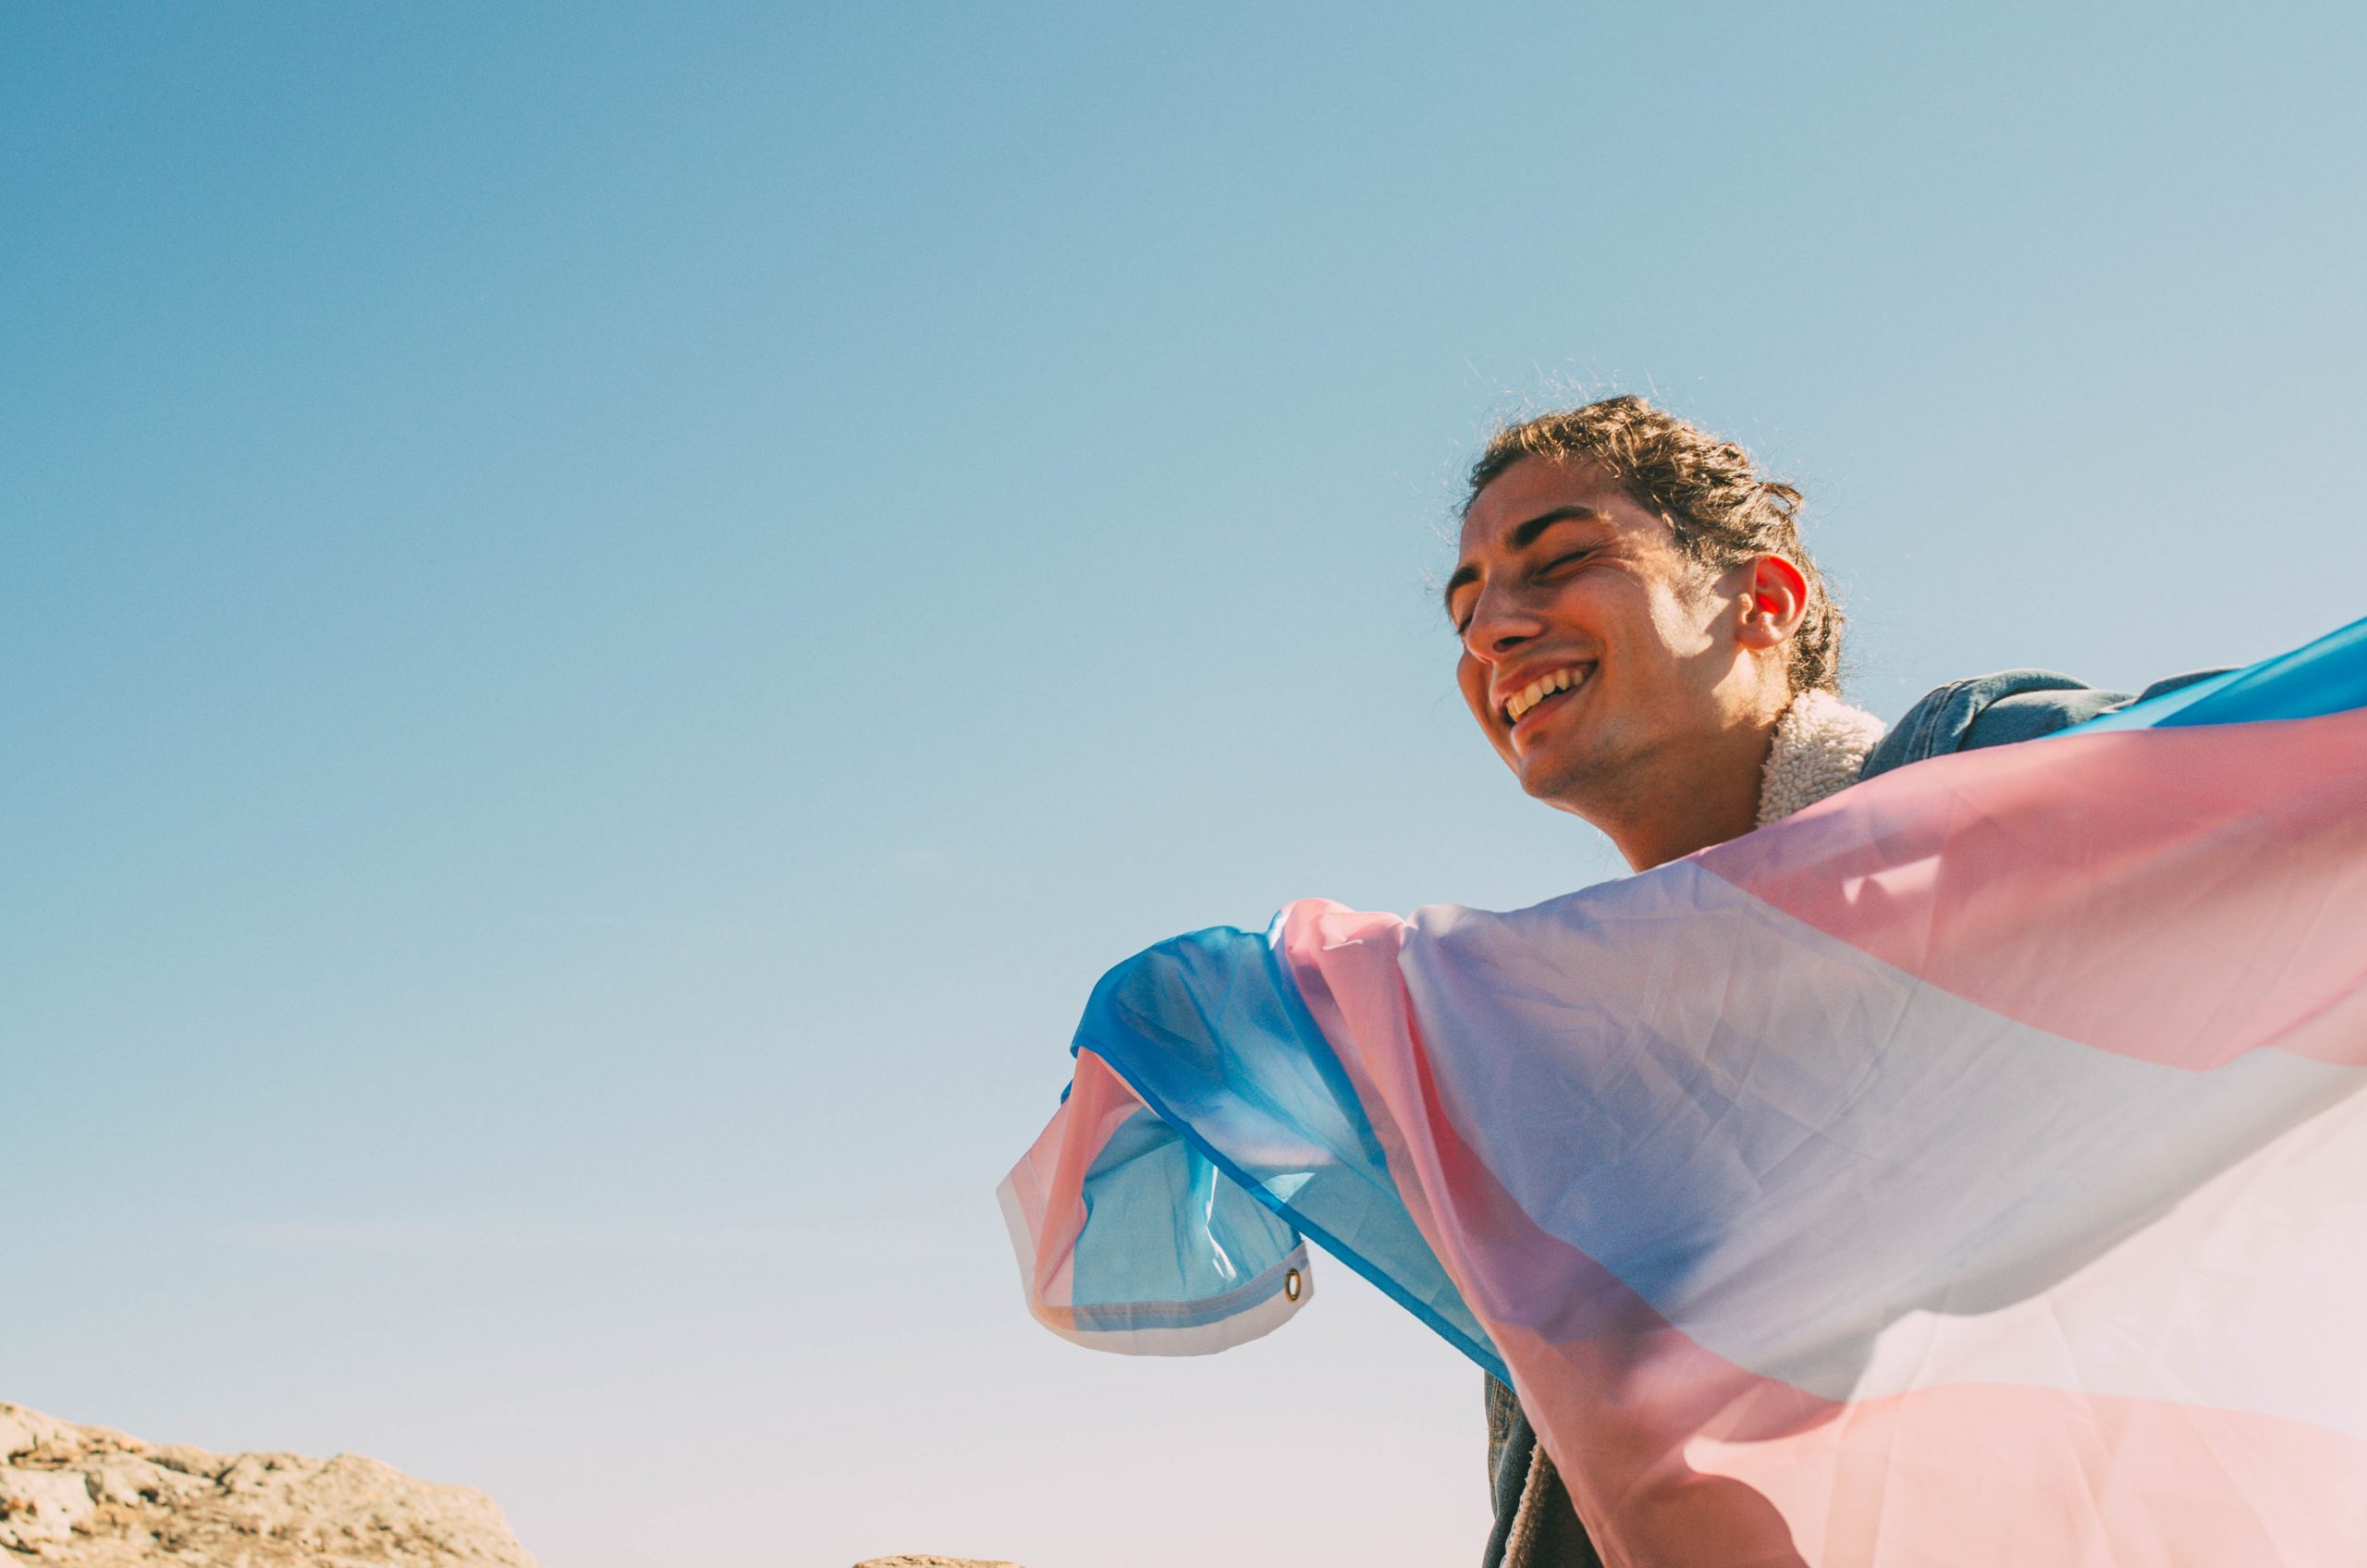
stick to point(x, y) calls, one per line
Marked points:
point(1821, 742)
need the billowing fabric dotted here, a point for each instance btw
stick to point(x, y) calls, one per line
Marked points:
point(1809, 759)
point(1969, 1169)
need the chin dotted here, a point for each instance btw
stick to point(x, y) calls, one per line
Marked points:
point(1559, 783)
point(1577, 777)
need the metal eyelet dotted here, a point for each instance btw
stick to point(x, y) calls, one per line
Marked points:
point(1290, 1286)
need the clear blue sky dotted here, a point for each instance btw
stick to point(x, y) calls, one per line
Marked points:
point(610, 612)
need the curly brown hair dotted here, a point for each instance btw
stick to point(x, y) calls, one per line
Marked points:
point(1712, 496)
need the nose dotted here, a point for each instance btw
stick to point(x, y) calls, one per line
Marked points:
point(1500, 624)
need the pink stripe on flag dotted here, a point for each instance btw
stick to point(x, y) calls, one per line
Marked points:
point(2177, 894)
point(1991, 1476)
point(1049, 1183)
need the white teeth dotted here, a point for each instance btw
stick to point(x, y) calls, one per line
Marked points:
point(1536, 691)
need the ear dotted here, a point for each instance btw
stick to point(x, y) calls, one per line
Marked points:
point(1774, 597)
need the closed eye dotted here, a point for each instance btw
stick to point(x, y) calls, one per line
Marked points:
point(1539, 574)
point(1462, 621)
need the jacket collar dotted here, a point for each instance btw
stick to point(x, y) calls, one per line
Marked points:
point(1821, 743)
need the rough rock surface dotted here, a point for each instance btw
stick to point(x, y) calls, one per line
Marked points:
point(95, 1499)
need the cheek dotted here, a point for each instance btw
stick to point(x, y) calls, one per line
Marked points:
point(1471, 679)
point(1688, 599)
point(1675, 625)
point(1590, 610)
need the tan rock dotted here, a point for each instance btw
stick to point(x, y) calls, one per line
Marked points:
point(90, 1498)
point(28, 1431)
point(131, 1481)
point(38, 1507)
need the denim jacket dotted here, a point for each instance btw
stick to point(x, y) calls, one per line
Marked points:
point(1536, 1525)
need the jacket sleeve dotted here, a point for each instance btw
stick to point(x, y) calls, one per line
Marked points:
point(1996, 710)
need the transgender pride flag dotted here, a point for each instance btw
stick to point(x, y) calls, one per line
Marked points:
point(1969, 1171)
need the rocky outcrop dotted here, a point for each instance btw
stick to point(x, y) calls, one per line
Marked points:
point(90, 1498)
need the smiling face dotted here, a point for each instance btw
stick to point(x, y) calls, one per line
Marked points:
point(1617, 677)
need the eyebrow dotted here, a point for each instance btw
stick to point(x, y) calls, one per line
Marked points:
point(1522, 538)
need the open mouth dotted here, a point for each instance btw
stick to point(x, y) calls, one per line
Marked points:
point(1545, 691)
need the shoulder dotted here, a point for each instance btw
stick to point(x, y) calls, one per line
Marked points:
point(1999, 709)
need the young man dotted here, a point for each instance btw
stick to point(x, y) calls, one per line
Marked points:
point(1648, 644)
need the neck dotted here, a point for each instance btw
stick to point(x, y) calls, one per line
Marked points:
point(1705, 796)
point(1758, 774)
